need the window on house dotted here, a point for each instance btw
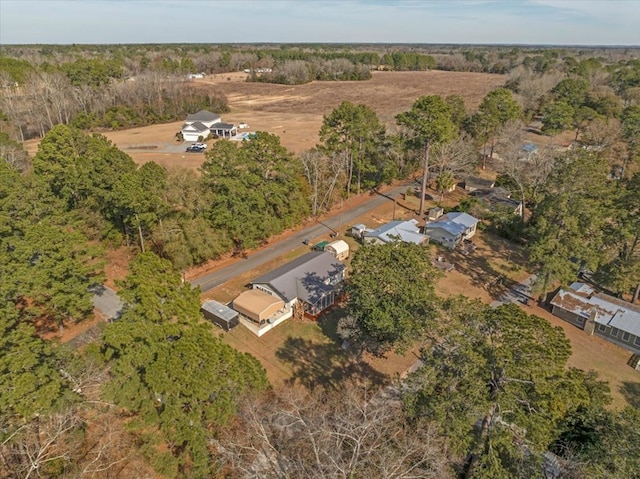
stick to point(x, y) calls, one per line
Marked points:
point(626, 336)
point(614, 332)
point(602, 328)
point(637, 341)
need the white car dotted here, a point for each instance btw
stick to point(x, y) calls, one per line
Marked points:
point(242, 125)
point(200, 145)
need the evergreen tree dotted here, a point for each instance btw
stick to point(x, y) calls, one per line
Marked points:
point(392, 300)
point(257, 189)
point(168, 368)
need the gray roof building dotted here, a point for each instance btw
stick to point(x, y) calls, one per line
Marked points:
point(195, 126)
point(203, 116)
point(307, 278)
point(406, 231)
point(220, 314)
point(473, 183)
point(615, 320)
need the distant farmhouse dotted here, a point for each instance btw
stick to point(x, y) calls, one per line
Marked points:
point(611, 318)
point(305, 286)
point(204, 123)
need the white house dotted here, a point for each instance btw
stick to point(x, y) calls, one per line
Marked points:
point(199, 125)
point(451, 229)
point(406, 231)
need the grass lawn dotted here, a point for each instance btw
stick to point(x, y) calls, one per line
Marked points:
point(309, 354)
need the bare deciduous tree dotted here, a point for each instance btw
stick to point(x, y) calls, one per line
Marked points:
point(357, 433)
point(42, 444)
point(323, 173)
point(532, 87)
point(457, 157)
point(527, 171)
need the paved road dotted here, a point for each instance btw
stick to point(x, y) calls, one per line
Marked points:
point(106, 301)
point(340, 221)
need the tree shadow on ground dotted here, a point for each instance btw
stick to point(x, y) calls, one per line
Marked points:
point(480, 272)
point(324, 365)
point(631, 393)
point(478, 267)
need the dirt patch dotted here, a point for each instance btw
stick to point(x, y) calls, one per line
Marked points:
point(117, 265)
point(388, 93)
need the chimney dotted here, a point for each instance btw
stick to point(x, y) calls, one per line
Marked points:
point(590, 325)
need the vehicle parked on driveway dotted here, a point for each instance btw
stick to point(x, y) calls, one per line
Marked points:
point(196, 149)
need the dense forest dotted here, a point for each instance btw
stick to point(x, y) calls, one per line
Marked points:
point(157, 391)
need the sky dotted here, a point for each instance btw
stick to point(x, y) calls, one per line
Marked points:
point(537, 22)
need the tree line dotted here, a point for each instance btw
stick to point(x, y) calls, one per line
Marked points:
point(46, 99)
point(213, 58)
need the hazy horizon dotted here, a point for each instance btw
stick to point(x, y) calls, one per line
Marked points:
point(553, 23)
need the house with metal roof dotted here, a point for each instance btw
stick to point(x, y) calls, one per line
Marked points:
point(405, 231)
point(599, 314)
point(311, 281)
point(451, 229)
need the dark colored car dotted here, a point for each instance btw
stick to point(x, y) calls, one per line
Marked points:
point(195, 149)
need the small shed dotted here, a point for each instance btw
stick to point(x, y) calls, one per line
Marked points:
point(339, 249)
point(358, 230)
point(220, 315)
point(320, 246)
point(435, 213)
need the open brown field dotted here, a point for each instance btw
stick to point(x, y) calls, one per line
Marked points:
point(295, 112)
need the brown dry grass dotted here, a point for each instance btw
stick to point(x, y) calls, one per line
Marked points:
point(295, 113)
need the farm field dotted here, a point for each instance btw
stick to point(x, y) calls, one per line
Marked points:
point(295, 112)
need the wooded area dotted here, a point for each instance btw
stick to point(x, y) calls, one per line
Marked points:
point(157, 391)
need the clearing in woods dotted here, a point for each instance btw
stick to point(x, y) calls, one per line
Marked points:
point(295, 112)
